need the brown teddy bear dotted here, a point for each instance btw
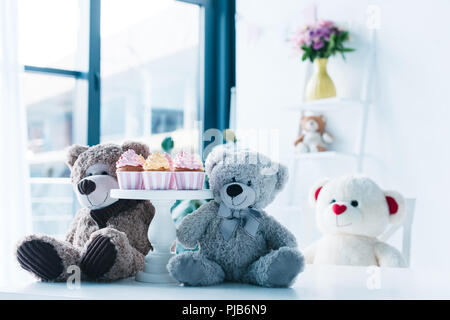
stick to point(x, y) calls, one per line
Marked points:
point(313, 137)
point(107, 239)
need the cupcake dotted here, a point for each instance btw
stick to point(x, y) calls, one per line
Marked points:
point(172, 185)
point(129, 170)
point(157, 173)
point(189, 173)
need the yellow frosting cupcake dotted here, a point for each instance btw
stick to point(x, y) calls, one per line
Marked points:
point(156, 162)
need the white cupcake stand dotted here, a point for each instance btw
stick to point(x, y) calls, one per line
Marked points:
point(162, 231)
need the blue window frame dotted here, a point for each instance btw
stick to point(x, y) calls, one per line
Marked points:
point(219, 65)
point(219, 62)
point(93, 121)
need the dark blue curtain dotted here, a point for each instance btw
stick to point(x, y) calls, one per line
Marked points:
point(220, 66)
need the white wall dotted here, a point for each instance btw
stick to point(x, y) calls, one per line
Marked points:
point(409, 123)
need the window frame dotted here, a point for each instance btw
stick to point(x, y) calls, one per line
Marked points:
point(219, 61)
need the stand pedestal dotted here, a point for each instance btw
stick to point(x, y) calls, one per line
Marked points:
point(162, 231)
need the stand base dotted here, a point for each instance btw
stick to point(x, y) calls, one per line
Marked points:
point(155, 269)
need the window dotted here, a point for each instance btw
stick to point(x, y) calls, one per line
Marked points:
point(150, 71)
point(97, 71)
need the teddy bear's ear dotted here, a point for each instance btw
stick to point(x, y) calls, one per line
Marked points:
point(396, 206)
point(282, 176)
point(214, 157)
point(139, 147)
point(73, 152)
point(315, 191)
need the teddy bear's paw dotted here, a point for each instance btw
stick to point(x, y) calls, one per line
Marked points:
point(285, 264)
point(186, 269)
point(302, 148)
point(99, 257)
point(40, 258)
point(195, 270)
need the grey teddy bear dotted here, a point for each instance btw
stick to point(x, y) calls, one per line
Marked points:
point(108, 237)
point(238, 241)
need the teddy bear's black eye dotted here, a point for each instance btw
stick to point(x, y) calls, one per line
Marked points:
point(333, 201)
point(249, 183)
point(233, 180)
point(354, 203)
point(89, 174)
point(104, 173)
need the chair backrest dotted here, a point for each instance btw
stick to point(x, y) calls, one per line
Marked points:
point(407, 230)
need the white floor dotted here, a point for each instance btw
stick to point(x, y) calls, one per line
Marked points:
point(324, 282)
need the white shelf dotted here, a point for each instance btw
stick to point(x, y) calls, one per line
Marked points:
point(316, 282)
point(162, 194)
point(322, 155)
point(329, 104)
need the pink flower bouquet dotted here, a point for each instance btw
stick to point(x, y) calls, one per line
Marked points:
point(321, 40)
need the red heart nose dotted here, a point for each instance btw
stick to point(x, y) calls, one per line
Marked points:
point(339, 209)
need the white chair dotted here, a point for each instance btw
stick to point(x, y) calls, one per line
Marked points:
point(407, 230)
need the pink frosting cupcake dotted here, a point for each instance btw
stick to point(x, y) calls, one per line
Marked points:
point(185, 161)
point(189, 172)
point(172, 185)
point(157, 173)
point(129, 170)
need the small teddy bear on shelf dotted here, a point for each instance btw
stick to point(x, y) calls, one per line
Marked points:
point(107, 239)
point(313, 136)
point(351, 212)
point(238, 240)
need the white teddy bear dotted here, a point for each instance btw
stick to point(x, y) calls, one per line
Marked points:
point(351, 212)
point(313, 137)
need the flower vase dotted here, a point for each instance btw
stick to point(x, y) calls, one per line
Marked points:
point(320, 85)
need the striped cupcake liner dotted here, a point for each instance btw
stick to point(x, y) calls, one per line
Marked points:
point(129, 180)
point(157, 180)
point(173, 184)
point(189, 180)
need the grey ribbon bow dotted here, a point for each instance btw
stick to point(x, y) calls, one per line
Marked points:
point(231, 219)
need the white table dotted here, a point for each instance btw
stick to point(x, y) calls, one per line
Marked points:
point(316, 282)
point(162, 231)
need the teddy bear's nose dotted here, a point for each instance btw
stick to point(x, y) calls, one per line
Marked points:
point(86, 187)
point(339, 209)
point(234, 190)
